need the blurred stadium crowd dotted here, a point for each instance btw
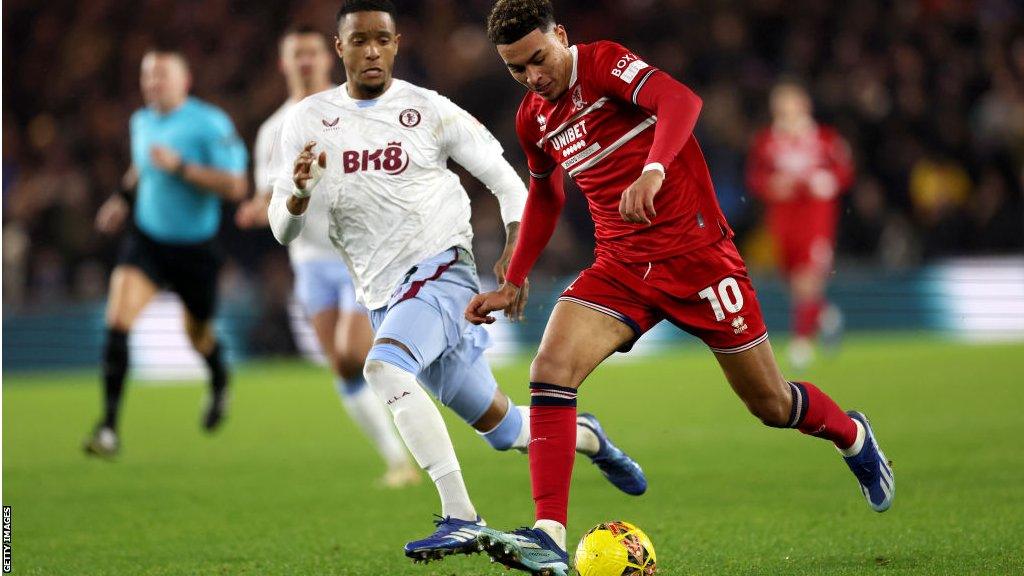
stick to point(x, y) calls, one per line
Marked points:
point(930, 94)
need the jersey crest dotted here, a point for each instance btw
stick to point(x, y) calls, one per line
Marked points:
point(410, 117)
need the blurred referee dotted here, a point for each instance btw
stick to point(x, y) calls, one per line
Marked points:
point(186, 159)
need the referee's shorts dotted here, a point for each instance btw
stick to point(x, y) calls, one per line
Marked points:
point(188, 270)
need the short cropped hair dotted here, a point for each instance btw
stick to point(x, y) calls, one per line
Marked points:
point(510, 20)
point(350, 6)
point(164, 47)
point(301, 30)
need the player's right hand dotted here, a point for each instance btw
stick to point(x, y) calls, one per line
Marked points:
point(112, 215)
point(309, 169)
point(251, 214)
point(509, 298)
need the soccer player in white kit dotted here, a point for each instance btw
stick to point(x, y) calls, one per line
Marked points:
point(322, 282)
point(375, 151)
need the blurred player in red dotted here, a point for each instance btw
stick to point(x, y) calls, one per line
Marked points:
point(799, 169)
point(623, 131)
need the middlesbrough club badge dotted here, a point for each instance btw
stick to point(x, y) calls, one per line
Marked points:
point(409, 117)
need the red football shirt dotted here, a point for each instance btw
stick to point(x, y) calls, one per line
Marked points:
point(820, 167)
point(601, 134)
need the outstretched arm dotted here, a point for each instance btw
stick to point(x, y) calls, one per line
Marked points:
point(543, 207)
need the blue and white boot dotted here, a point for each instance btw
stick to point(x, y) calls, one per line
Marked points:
point(872, 469)
point(453, 536)
point(527, 549)
point(617, 467)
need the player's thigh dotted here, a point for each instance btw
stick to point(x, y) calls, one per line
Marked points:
point(755, 377)
point(416, 327)
point(577, 338)
point(130, 290)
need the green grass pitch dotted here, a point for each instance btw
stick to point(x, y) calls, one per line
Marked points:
point(287, 487)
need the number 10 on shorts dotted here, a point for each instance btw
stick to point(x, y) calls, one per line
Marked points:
point(728, 296)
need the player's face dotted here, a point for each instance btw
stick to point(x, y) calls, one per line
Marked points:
point(367, 44)
point(541, 61)
point(164, 80)
point(305, 58)
point(790, 104)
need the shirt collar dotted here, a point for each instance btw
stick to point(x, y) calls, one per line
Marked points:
point(575, 61)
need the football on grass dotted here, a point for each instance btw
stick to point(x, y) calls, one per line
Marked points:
point(615, 549)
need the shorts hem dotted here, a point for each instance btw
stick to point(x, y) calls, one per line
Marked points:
point(633, 325)
point(742, 347)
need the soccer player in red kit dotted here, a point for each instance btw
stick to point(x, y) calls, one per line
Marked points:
point(623, 130)
point(799, 168)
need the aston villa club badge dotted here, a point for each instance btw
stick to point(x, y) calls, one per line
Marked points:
point(409, 117)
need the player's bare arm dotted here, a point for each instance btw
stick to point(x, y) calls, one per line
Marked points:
point(543, 206)
point(229, 186)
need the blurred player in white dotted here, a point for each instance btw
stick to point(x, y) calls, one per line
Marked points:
point(373, 155)
point(322, 282)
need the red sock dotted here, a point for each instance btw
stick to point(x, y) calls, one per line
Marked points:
point(805, 317)
point(816, 414)
point(552, 448)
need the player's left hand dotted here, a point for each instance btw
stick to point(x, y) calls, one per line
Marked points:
point(637, 204)
point(165, 158)
point(515, 311)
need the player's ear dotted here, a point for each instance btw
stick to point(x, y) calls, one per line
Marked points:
point(398, 41)
point(562, 35)
point(338, 47)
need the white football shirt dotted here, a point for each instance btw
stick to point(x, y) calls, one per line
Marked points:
point(312, 243)
point(390, 200)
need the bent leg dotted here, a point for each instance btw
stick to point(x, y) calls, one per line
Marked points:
point(755, 377)
point(409, 336)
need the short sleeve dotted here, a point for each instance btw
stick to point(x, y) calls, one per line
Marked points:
point(618, 72)
point(226, 151)
point(527, 129)
point(464, 138)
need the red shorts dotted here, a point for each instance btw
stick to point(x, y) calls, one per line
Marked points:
point(706, 292)
point(797, 252)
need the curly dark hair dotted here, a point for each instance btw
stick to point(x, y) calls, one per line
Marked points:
point(350, 6)
point(510, 20)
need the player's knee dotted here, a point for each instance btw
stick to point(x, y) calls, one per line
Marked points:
point(373, 368)
point(552, 369)
point(384, 354)
point(119, 321)
point(772, 410)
